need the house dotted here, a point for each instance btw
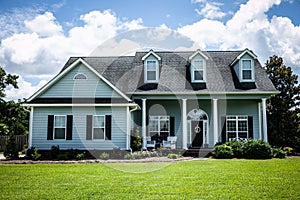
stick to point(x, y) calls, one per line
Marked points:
point(201, 97)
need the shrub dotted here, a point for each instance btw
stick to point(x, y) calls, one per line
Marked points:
point(80, 156)
point(257, 149)
point(128, 156)
point(173, 156)
point(11, 151)
point(35, 155)
point(117, 153)
point(72, 153)
point(104, 156)
point(222, 151)
point(63, 156)
point(237, 148)
point(289, 151)
point(54, 152)
point(279, 153)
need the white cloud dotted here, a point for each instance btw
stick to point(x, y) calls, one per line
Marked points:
point(26, 89)
point(211, 10)
point(250, 28)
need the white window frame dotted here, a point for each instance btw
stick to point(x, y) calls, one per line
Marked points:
point(85, 76)
point(158, 118)
point(242, 70)
point(236, 119)
point(194, 68)
point(103, 127)
point(55, 127)
point(146, 70)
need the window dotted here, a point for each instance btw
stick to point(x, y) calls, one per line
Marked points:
point(151, 71)
point(198, 70)
point(247, 70)
point(160, 126)
point(80, 76)
point(60, 127)
point(99, 127)
point(237, 127)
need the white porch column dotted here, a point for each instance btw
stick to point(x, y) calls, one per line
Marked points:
point(128, 128)
point(259, 121)
point(144, 123)
point(30, 128)
point(184, 124)
point(264, 120)
point(215, 121)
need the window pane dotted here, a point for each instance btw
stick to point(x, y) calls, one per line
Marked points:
point(198, 75)
point(243, 135)
point(98, 121)
point(231, 125)
point(247, 74)
point(59, 133)
point(246, 64)
point(151, 65)
point(231, 135)
point(60, 121)
point(151, 75)
point(153, 125)
point(242, 125)
point(98, 133)
point(164, 125)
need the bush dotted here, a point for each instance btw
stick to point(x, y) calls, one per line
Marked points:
point(289, 151)
point(63, 156)
point(117, 153)
point(222, 151)
point(279, 153)
point(11, 151)
point(237, 148)
point(128, 156)
point(54, 152)
point(104, 156)
point(257, 149)
point(80, 156)
point(35, 155)
point(72, 153)
point(173, 156)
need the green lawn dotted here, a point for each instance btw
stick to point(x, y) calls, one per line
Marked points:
point(204, 179)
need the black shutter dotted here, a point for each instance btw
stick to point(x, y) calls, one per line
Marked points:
point(250, 126)
point(172, 126)
point(108, 127)
point(69, 127)
point(89, 127)
point(223, 124)
point(50, 127)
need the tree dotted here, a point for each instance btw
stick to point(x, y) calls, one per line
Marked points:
point(283, 108)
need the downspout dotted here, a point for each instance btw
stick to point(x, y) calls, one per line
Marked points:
point(136, 107)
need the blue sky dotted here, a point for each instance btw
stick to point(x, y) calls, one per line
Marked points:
point(37, 37)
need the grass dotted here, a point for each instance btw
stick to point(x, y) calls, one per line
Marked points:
point(208, 179)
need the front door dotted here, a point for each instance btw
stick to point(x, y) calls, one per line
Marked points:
point(197, 133)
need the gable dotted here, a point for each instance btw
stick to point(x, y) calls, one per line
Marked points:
point(65, 85)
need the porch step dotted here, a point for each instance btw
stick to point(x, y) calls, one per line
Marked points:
point(198, 153)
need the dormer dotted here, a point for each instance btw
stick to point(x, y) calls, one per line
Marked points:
point(243, 66)
point(151, 67)
point(198, 67)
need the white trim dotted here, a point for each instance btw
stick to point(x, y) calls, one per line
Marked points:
point(144, 134)
point(251, 68)
point(242, 54)
point(237, 119)
point(200, 53)
point(80, 105)
point(215, 121)
point(184, 124)
point(158, 119)
point(151, 52)
point(146, 70)
point(128, 128)
point(208, 93)
point(104, 133)
point(74, 64)
point(30, 127)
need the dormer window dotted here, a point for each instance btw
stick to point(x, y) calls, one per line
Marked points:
point(151, 71)
point(151, 67)
point(198, 70)
point(247, 70)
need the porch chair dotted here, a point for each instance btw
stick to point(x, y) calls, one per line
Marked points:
point(150, 143)
point(170, 140)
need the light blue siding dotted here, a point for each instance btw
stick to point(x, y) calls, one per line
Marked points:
point(118, 132)
point(92, 87)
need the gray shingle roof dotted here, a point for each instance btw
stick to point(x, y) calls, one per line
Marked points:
point(126, 72)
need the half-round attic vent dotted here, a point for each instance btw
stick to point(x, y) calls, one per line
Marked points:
point(80, 76)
